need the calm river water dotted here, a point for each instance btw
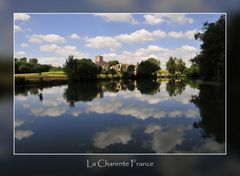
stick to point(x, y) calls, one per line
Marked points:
point(124, 116)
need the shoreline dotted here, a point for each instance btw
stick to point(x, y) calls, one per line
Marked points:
point(21, 81)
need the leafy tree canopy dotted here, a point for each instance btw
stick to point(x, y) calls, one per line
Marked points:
point(80, 69)
point(113, 62)
point(212, 56)
point(148, 68)
point(23, 65)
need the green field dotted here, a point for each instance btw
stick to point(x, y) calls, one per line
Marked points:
point(61, 77)
point(43, 74)
point(44, 77)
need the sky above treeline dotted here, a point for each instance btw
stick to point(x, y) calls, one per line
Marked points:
point(129, 38)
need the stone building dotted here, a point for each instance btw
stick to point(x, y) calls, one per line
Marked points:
point(98, 59)
point(100, 62)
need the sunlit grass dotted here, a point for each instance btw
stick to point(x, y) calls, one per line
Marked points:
point(43, 74)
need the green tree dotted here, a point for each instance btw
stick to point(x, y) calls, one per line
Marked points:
point(33, 61)
point(23, 60)
point(17, 64)
point(193, 71)
point(31, 66)
point(99, 68)
point(171, 65)
point(113, 62)
point(130, 72)
point(181, 66)
point(82, 69)
point(131, 69)
point(148, 68)
point(56, 69)
point(211, 60)
point(25, 68)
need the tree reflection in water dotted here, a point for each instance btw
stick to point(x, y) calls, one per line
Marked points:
point(176, 86)
point(130, 84)
point(140, 100)
point(148, 86)
point(81, 91)
point(87, 91)
point(210, 102)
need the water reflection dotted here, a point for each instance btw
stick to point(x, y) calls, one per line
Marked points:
point(115, 116)
point(148, 87)
point(85, 91)
point(211, 105)
point(175, 87)
point(113, 136)
point(40, 96)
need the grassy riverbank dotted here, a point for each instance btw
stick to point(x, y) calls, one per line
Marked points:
point(56, 77)
point(37, 78)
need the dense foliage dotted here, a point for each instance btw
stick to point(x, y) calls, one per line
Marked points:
point(112, 71)
point(148, 68)
point(113, 62)
point(193, 71)
point(176, 87)
point(81, 91)
point(211, 60)
point(130, 72)
point(208, 101)
point(24, 65)
point(82, 69)
point(171, 65)
point(175, 65)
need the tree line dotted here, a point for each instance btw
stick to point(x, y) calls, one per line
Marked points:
point(24, 65)
point(86, 91)
point(83, 69)
point(77, 69)
point(210, 62)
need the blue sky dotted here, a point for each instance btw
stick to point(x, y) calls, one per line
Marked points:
point(129, 38)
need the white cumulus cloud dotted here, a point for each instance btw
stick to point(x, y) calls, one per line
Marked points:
point(118, 17)
point(75, 36)
point(180, 34)
point(63, 52)
point(113, 136)
point(103, 42)
point(51, 38)
point(17, 28)
point(141, 35)
point(24, 45)
point(114, 42)
point(19, 122)
point(19, 54)
point(154, 19)
point(49, 48)
point(55, 61)
point(21, 134)
point(21, 16)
